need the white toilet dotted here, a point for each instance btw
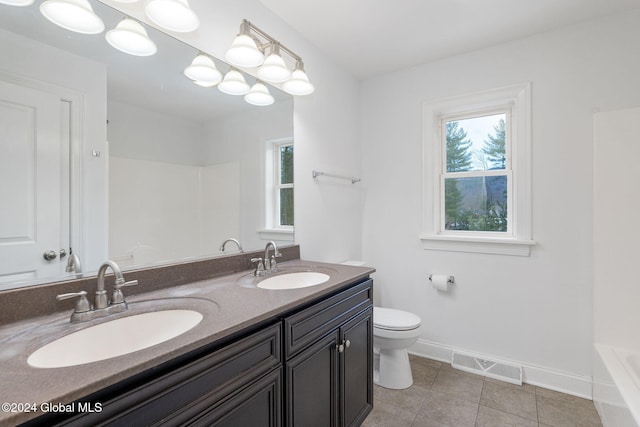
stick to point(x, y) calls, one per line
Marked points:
point(394, 331)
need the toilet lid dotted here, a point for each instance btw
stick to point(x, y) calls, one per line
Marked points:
point(396, 320)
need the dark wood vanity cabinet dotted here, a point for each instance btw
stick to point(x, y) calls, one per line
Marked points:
point(329, 361)
point(239, 384)
point(313, 367)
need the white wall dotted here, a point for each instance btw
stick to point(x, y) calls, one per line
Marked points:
point(536, 310)
point(616, 209)
point(326, 127)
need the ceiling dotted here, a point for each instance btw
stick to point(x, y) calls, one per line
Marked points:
point(373, 37)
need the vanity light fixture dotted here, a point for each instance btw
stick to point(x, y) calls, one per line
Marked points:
point(259, 95)
point(73, 15)
point(17, 2)
point(234, 83)
point(203, 71)
point(299, 83)
point(247, 50)
point(173, 15)
point(130, 37)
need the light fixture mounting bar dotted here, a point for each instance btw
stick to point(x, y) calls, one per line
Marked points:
point(270, 40)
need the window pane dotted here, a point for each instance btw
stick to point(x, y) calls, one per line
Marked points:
point(286, 164)
point(476, 144)
point(476, 204)
point(286, 206)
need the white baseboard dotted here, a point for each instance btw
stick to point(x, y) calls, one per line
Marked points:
point(565, 382)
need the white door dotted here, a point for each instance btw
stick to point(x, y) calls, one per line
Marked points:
point(30, 183)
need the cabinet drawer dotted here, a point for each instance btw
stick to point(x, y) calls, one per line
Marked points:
point(306, 326)
point(175, 395)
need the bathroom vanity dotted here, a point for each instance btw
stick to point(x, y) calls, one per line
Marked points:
point(259, 357)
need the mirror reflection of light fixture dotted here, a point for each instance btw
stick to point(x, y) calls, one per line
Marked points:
point(244, 51)
point(247, 51)
point(17, 2)
point(72, 15)
point(274, 69)
point(203, 71)
point(259, 95)
point(173, 15)
point(130, 37)
point(234, 83)
point(299, 83)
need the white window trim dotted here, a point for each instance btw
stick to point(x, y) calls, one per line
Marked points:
point(272, 231)
point(518, 99)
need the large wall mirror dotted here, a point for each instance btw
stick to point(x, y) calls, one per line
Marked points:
point(152, 168)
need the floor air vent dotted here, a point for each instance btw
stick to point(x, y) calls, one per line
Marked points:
point(488, 368)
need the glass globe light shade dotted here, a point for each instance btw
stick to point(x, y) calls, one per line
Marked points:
point(274, 69)
point(17, 2)
point(259, 95)
point(203, 70)
point(130, 37)
point(234, 83)
point(72, 15)
point(174, 15)
point(244, 52)
point(299, 84)
point(204, 84)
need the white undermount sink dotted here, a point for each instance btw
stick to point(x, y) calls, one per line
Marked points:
point(301, 279)
point(114, 338)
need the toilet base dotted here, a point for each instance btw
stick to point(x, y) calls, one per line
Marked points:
point(392, 369)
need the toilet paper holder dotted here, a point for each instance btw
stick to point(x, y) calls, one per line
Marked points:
point(450, 279)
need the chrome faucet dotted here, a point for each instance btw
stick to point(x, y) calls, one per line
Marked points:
point(100, 300)
point(101, 306)
point(270, 264)
point(73, 264)
point(231, 239)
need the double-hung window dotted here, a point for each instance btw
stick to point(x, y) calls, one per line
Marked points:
point(477, 173)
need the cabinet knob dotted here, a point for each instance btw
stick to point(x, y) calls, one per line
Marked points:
point(340, 348)
point(347, 344)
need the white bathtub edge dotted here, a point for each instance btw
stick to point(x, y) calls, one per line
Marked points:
point(621, 378)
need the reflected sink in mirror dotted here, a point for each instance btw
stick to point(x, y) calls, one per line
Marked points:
point(114, 338)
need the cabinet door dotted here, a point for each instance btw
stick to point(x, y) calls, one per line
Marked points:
point(357, 369)
point(312, 385)
point(257, 406)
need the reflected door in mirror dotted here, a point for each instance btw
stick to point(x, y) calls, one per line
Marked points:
point(31, 173)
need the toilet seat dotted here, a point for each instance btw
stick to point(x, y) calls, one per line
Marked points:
point(394, 320)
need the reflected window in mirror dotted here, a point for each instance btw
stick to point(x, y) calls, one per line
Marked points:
point(279, 185)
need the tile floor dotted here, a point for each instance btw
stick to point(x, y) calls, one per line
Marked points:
point(442, 396)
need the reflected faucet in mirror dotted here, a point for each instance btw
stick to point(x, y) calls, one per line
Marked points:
point(73, 264)
point(231, 239)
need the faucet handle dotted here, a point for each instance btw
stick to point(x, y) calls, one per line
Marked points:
point(121, 283)
point(260, 271)
point(273, 265)
point(118, 296)
point(82, 305)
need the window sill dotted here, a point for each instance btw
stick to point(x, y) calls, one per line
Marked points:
point(475, 244)
point(280, 234)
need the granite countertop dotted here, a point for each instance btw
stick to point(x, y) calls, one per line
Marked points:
point(229, 304)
